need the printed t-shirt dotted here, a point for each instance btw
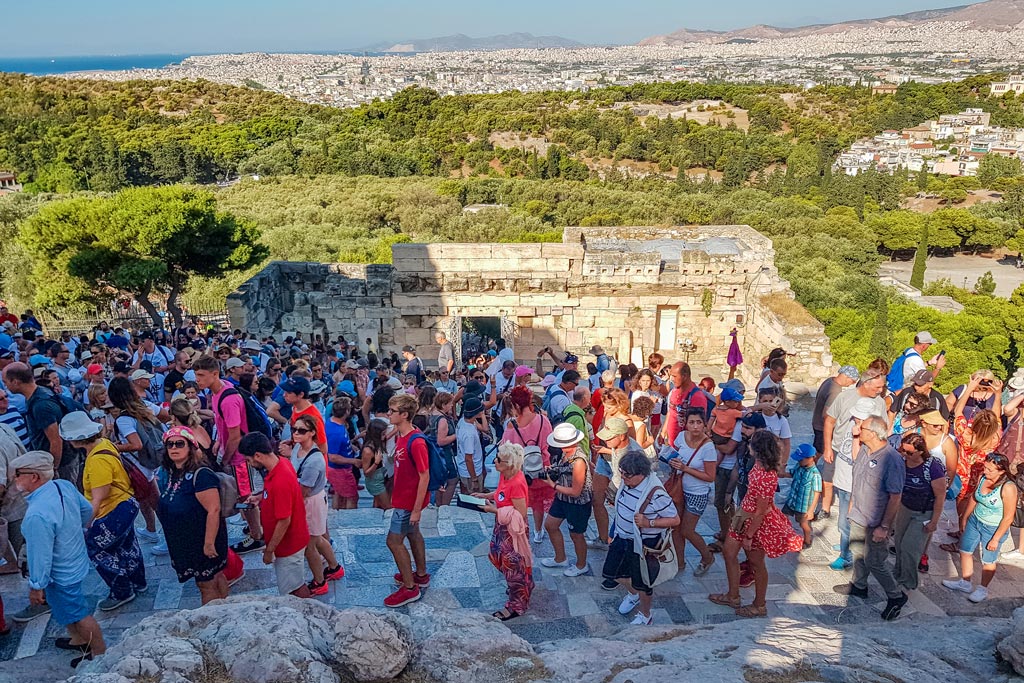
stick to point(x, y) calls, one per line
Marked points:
point(407, 471)
point(282, 498)
point(338, 443)
point(510, 489)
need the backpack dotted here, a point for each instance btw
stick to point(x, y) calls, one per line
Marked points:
point(437, 467)
point(228, 488)
point(685, 405)
point(894, 379)
point(556, 418)
point(1012, 442)
point(256, 418)
point(533, 457)
point(151, 434)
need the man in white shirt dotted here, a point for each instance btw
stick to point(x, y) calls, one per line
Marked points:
point(914, 362)
point(470, 459)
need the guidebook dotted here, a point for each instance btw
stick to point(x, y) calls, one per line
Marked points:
point(470, 502)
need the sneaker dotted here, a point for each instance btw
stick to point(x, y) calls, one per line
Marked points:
point(339, 571)
point(573, 570)
point(893, 607)
point(147, 536)
point(87, 657)
point(1012, 555)
point(538, 536)
point(629, 603)
point(161, 548)
point(702, 568)
point(550, 563)
point(402, 596)
point(597, 544)
point(29, 613)
point(851, 590)
point(958, 585)
point(248, 545)
point(318, 588)
point(978, 595)
point(609, 584)
point(746, 578)
point(235, 580)
point(922, 566)
point(840, 565)
point(109, 603)
point(420, 581)
point(642, 619)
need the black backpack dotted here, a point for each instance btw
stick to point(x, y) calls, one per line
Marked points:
point(256, 418)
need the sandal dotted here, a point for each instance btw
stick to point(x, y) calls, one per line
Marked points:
point(950, 548)
point(715, 547)
point(724, 600)
point(752, 611)
point(504, 614)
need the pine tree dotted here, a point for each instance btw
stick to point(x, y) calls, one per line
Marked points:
point(920, 260)
point(879, 346)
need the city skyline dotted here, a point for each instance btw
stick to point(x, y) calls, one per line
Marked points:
point(112, 27)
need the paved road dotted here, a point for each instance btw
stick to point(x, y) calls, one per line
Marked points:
point(958, 268)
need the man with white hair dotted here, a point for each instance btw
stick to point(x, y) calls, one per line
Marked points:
point(57, 559)
point(445, 354)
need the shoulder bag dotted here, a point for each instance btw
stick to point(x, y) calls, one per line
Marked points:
point(663, 553)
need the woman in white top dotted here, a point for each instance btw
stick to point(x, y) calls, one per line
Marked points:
point(695, 459)
point(647, 385)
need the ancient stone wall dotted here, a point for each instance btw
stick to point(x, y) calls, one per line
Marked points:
point(631, 290)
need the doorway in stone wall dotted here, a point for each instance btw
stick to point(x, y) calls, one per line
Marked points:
point(477, 333)
point(668, 317)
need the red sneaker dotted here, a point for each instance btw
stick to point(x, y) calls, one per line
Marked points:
point(922, 566)
point(746, 578)
point(318, 588)
point(334, 574)
point(420, 581)
point(402, 596)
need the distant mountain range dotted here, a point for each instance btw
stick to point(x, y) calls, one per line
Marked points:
point(460, 42)
point(997, 15)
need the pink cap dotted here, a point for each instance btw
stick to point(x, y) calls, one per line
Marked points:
point(523, 371)
point(183, 432)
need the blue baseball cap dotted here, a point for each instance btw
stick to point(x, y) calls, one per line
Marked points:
point(755, 420)
point(37, 360)
point(296, 385)
point(730, 394)
point(346, 387)
point(804, 450)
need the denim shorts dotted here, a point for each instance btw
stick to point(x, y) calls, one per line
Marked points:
point(67, 603)
point(603, 467)
point(400, 522)
point(977, 535)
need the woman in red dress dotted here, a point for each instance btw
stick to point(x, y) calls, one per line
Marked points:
point(760, 529)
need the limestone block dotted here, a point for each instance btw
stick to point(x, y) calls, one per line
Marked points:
point(410, 265)
point(516, 251)
point(552, 250)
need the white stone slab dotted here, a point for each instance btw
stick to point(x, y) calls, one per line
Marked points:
point(458, 571)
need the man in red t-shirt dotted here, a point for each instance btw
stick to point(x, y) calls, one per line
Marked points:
point(408, 498)
point(296, 394)
point(685, 394)
point(283, 512)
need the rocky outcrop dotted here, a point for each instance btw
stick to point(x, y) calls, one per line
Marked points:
point(255, 638)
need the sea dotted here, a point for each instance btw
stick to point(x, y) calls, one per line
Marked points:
point(48, 66)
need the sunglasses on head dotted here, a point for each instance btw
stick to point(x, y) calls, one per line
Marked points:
point(176, 443)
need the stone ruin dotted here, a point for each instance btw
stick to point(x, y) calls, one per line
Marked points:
point(632, 290)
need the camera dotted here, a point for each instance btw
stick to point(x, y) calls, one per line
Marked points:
point(557, 471)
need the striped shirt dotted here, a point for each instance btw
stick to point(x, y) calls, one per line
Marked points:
point(625, 511)
point(13, 419)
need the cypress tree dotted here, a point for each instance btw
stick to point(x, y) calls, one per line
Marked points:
point(879, 346)
point(920, 260)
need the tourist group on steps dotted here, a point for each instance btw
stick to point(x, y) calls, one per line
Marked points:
point(119, 438)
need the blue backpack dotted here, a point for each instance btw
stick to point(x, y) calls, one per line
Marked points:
point(895, 377)
point(438, 468)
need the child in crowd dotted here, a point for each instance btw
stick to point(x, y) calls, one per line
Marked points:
point(805, 489)
point(724, 416)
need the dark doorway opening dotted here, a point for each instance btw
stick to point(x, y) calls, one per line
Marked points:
point(477, 334)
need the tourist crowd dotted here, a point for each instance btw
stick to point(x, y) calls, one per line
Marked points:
point(115, 439)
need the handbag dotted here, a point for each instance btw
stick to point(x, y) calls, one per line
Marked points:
point(144, 490)
point(674, 485)
point(663, 552)
point(739, 521)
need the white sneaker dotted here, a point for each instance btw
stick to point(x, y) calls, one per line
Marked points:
point(642, 619)
point(629, 603)
point(573, 570)
point(958, 585)
point(538, 536)
point(979, 594)
point(160, 548)
point(597, 544)
point(1012, 555)
point(550, 563)
point(147, 536)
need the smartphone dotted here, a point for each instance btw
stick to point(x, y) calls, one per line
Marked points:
point(244, 506)
point(941, 354)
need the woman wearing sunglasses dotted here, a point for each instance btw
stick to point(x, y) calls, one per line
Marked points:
point(986, 525)
point(189, 512)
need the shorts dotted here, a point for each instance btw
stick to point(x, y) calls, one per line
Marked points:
point(374, 483)
point(622, 562)
point(977, 535)
point(719, 439)
point(67, 603)
point(819, 441)
point(722, 477)
point(576, 514)
point(401, 524)
point(343, 482)
point(603, 467)
point(827, 469)
point(695, 503)
point(290, 572)
point(316, 513)
point(244, 478)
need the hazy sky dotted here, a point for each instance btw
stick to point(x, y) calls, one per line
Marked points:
point(78, 27)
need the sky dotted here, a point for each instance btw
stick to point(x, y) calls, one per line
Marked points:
point(49, 28)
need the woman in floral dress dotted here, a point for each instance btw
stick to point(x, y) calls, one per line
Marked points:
point(759, 528)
